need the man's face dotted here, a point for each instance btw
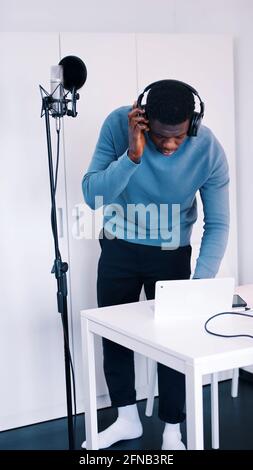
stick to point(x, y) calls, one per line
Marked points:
point(167, 138)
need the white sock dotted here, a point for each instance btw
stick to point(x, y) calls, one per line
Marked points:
point(172, 437)
point(126, 426)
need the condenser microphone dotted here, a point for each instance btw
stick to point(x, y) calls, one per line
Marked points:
point(56, 89)
point(56, 77)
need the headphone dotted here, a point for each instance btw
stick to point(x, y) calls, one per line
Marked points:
point(196, 116)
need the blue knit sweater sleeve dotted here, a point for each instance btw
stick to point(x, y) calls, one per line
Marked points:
point(215, 198)
point(108, 173)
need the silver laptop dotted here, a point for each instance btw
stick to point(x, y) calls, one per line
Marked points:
point(203, 297)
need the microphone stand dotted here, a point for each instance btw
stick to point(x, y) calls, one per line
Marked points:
point(60, 268)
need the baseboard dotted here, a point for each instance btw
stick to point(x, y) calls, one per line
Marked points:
point(31, 417)
point(224, 375)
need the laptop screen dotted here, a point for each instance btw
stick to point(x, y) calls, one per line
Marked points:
point(193, 297)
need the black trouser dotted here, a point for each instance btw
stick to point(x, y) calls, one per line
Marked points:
point(122, 270)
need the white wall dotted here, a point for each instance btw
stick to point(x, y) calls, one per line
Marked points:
point(171, 16)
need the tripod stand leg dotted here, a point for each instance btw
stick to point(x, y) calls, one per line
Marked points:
point(68, 375)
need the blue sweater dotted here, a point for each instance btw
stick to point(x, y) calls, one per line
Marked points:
point(154, 201)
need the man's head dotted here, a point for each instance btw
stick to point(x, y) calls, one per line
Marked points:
point(169, 109)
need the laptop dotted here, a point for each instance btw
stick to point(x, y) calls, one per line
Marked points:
point(198, 297)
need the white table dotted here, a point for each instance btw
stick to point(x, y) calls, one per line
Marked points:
point(180, 343)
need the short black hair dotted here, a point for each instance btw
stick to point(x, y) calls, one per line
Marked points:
point(170, 102)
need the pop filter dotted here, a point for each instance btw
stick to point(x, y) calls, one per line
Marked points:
point(74, 72)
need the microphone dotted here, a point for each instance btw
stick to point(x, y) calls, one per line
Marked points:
point(56, 80)
point(56, 77)
point(70, 74)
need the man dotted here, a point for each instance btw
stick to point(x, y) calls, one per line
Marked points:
point(146, 158)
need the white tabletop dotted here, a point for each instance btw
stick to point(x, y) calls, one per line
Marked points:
point(184, 337)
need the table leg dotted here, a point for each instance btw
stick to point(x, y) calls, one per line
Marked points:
point(235, 379)
point(215, 410)
point(89, 386)
point(194, 408)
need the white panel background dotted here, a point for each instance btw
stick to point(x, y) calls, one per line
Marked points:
point(31, 347)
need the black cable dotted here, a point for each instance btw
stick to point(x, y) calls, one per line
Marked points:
point(58, 129)
point(227, 336)
point(57, 158)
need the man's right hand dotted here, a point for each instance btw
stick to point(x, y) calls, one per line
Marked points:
point(137, 125)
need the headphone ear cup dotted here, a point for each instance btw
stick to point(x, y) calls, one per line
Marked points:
point(194, 124)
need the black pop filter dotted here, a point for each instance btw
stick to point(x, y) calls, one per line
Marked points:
point(74, 72)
